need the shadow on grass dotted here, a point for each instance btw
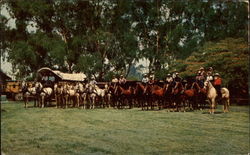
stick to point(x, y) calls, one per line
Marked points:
point(217, 112)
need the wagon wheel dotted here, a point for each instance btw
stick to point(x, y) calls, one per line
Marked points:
point(19, 97)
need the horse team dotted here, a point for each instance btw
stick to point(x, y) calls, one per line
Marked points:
point(177, 97)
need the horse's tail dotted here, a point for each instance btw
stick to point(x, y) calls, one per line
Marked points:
point(225, 93)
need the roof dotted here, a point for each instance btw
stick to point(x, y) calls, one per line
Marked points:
point(63, 76)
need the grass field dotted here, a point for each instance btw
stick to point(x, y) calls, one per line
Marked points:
point(35, 131)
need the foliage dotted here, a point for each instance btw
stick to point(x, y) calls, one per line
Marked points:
point(114, 35)
point(229, 57)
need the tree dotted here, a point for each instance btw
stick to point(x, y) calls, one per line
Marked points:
point(229, 57)
point(113, 35)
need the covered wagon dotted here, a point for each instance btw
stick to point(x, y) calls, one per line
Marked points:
point(49, 77)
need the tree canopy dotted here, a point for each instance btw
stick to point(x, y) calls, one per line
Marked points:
point(229, 57)
point(103, 37)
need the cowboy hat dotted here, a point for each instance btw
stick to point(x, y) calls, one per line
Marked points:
point(216, 74)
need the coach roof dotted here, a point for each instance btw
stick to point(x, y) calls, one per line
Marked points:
point(63, 76)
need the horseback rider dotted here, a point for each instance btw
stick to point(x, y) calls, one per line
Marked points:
point(210, 74)
point(92, 81)
point(151, 80)
point(185, 84)
point(217, 84)
point(200, 79)
point(203, 73)
point(169, 79)
point(145, 79)
point(122, 81)
point(177, 77)
point(114, 81)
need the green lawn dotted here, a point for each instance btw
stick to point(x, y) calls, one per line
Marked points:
point(37, 131)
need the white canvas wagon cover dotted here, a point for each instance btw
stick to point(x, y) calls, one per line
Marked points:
point(63, 76)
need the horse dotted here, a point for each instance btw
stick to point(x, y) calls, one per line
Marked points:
point(73, 95)
point(112, 96)
point(45, 95)
point(225, 94)
point(168, 96)
point(81, 89)
point(211, 95)
point(157, 94)
point(140, 94)
point(101, 93)
point(124, 95)
point(201, 96)
point(178, 91)
point(58, 91)
point(29, 91)
point(108, 95)
point(190, 96)
point(91, 95)
point(65, 95)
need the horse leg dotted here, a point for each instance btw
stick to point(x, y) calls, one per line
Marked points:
point(84, 101)
point(78, 100)
point(66, 101)
point(56, 99)
point(142, 104)
point(42, 103)
point(213, 106)
point(109, 100)
point(35, 101)
point(227, 104)
point(25, 101)
point(93, 103)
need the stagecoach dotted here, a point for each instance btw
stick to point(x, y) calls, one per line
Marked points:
point(49, 77)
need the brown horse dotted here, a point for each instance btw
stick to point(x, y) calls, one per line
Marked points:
point(141, 95)
point(157, 94)
point(178, 91)
point(190, 96)
point(124, 96)
point(201, 96)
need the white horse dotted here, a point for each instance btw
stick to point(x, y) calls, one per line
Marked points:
point(70, 94)
point(29, 91)
point(212, 94)
point(108, 96)
point(58, 91)
point(81, 89)
point(225, 99)
point(45, 95)
point(91, 95)
point(103, 94)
